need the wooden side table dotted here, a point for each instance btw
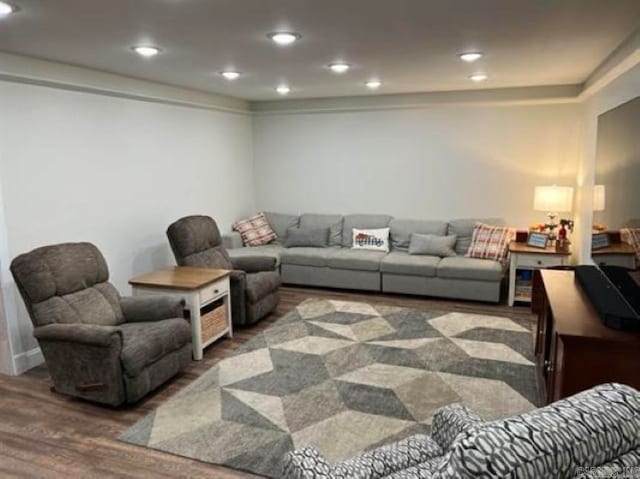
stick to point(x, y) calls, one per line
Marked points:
point(619, 254)
point(206, 293)
point(529, 259)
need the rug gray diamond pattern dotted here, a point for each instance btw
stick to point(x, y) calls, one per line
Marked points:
point(344, 377)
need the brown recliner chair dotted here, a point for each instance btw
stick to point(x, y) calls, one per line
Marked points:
point(98, 345)
point(196, 241)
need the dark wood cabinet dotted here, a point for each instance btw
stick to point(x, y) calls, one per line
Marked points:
point(574, 349)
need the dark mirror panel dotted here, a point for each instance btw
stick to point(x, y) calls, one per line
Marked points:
point(616, 201)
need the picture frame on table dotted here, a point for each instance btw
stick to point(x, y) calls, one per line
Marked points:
point(600, 240)
point(538, 240)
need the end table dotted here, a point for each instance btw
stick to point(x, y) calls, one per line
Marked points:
point(206, 293)
point(527, 259)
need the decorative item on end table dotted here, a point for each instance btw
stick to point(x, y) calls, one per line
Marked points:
point(600, 240)
point(553, 199)
point(538, 240)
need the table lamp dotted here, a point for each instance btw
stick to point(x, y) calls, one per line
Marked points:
point(553, 199)
point(599, 202)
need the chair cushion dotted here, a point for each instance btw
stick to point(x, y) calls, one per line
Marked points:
point(305, 256)
point(398, 262)
point(582, 431)
point(361, 222)
point(401, 231)
point(262, 284)
point(333, 222)
point(463, 229)
point(146, 342)
point(360, 260)
point(459, 267)
point(272, 250)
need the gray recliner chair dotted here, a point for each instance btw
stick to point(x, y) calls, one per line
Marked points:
point(98, 345)
point(196, 241)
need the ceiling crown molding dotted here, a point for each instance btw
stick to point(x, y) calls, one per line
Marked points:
point(20, 69)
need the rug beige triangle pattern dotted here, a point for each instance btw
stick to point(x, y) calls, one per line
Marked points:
point(343, 377)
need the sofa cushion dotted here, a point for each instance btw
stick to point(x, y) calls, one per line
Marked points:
point(401, 230)
point(333, 222)
point(255, 231)
point(297, 237)
point(280, 223)
point(490, 242)
point(372, 240)
point(305, 256)
point(360, 260)
point(146, 342)
point(458, 267)
point(367, 222)
point(433, 245)
point(262, 284)
point(399, 262)
point(463, 229)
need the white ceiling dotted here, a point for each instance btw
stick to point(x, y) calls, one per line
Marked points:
point(411, 45)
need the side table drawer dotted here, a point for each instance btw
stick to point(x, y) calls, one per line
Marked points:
point(214, 290)
point(626, 261)
point(538, 261)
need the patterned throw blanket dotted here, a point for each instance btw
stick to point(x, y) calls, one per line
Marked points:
point(632, 236)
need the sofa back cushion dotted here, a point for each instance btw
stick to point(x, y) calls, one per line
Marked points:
point(401, 230)
point(67, 283)
point(463, 229)
point(361, 222)
point(585, 430)
point(280, 223)
point(310, 221)
point(300, 237)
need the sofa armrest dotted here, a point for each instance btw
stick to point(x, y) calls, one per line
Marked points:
point(89, 334)
point(306, 463)
point(450, 421)
point(232, 240)
point(254, 264)
point(151, 308)
point(390, 458)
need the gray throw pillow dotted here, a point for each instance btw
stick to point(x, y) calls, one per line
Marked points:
point(432, 245)
point(317, 237)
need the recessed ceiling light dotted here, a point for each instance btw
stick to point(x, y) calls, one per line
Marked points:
point(283, 89)
point(478, 77)
point(373, 84)
point(146, 51)
point(284, 38)
point(6, 9)
point(470, 57)
point(339, 67)
point(230, 75)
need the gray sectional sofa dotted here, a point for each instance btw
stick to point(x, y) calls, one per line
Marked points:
point(339, 266)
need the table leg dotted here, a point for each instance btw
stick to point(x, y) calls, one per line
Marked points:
point(512, 280)
point(196, 326)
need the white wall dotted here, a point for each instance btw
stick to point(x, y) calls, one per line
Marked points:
point(87, 167)
point(444, 161)
point(624, 88)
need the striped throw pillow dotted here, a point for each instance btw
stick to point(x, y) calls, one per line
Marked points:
point(490, 242)
point(255, 231)
point(632, 236)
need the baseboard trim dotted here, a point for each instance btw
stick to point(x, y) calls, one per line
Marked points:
point(29, 359)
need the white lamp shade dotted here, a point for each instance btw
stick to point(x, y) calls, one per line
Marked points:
point(553, 199)
point(598, 198)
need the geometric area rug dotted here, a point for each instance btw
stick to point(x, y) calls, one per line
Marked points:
point(343, 377)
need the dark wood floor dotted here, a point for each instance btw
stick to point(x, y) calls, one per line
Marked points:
point(43, 434)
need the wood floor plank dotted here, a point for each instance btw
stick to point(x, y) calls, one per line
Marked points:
point(47, 435)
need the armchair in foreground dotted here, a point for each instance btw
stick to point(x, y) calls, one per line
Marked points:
point(98, 345)
point(196, 241)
